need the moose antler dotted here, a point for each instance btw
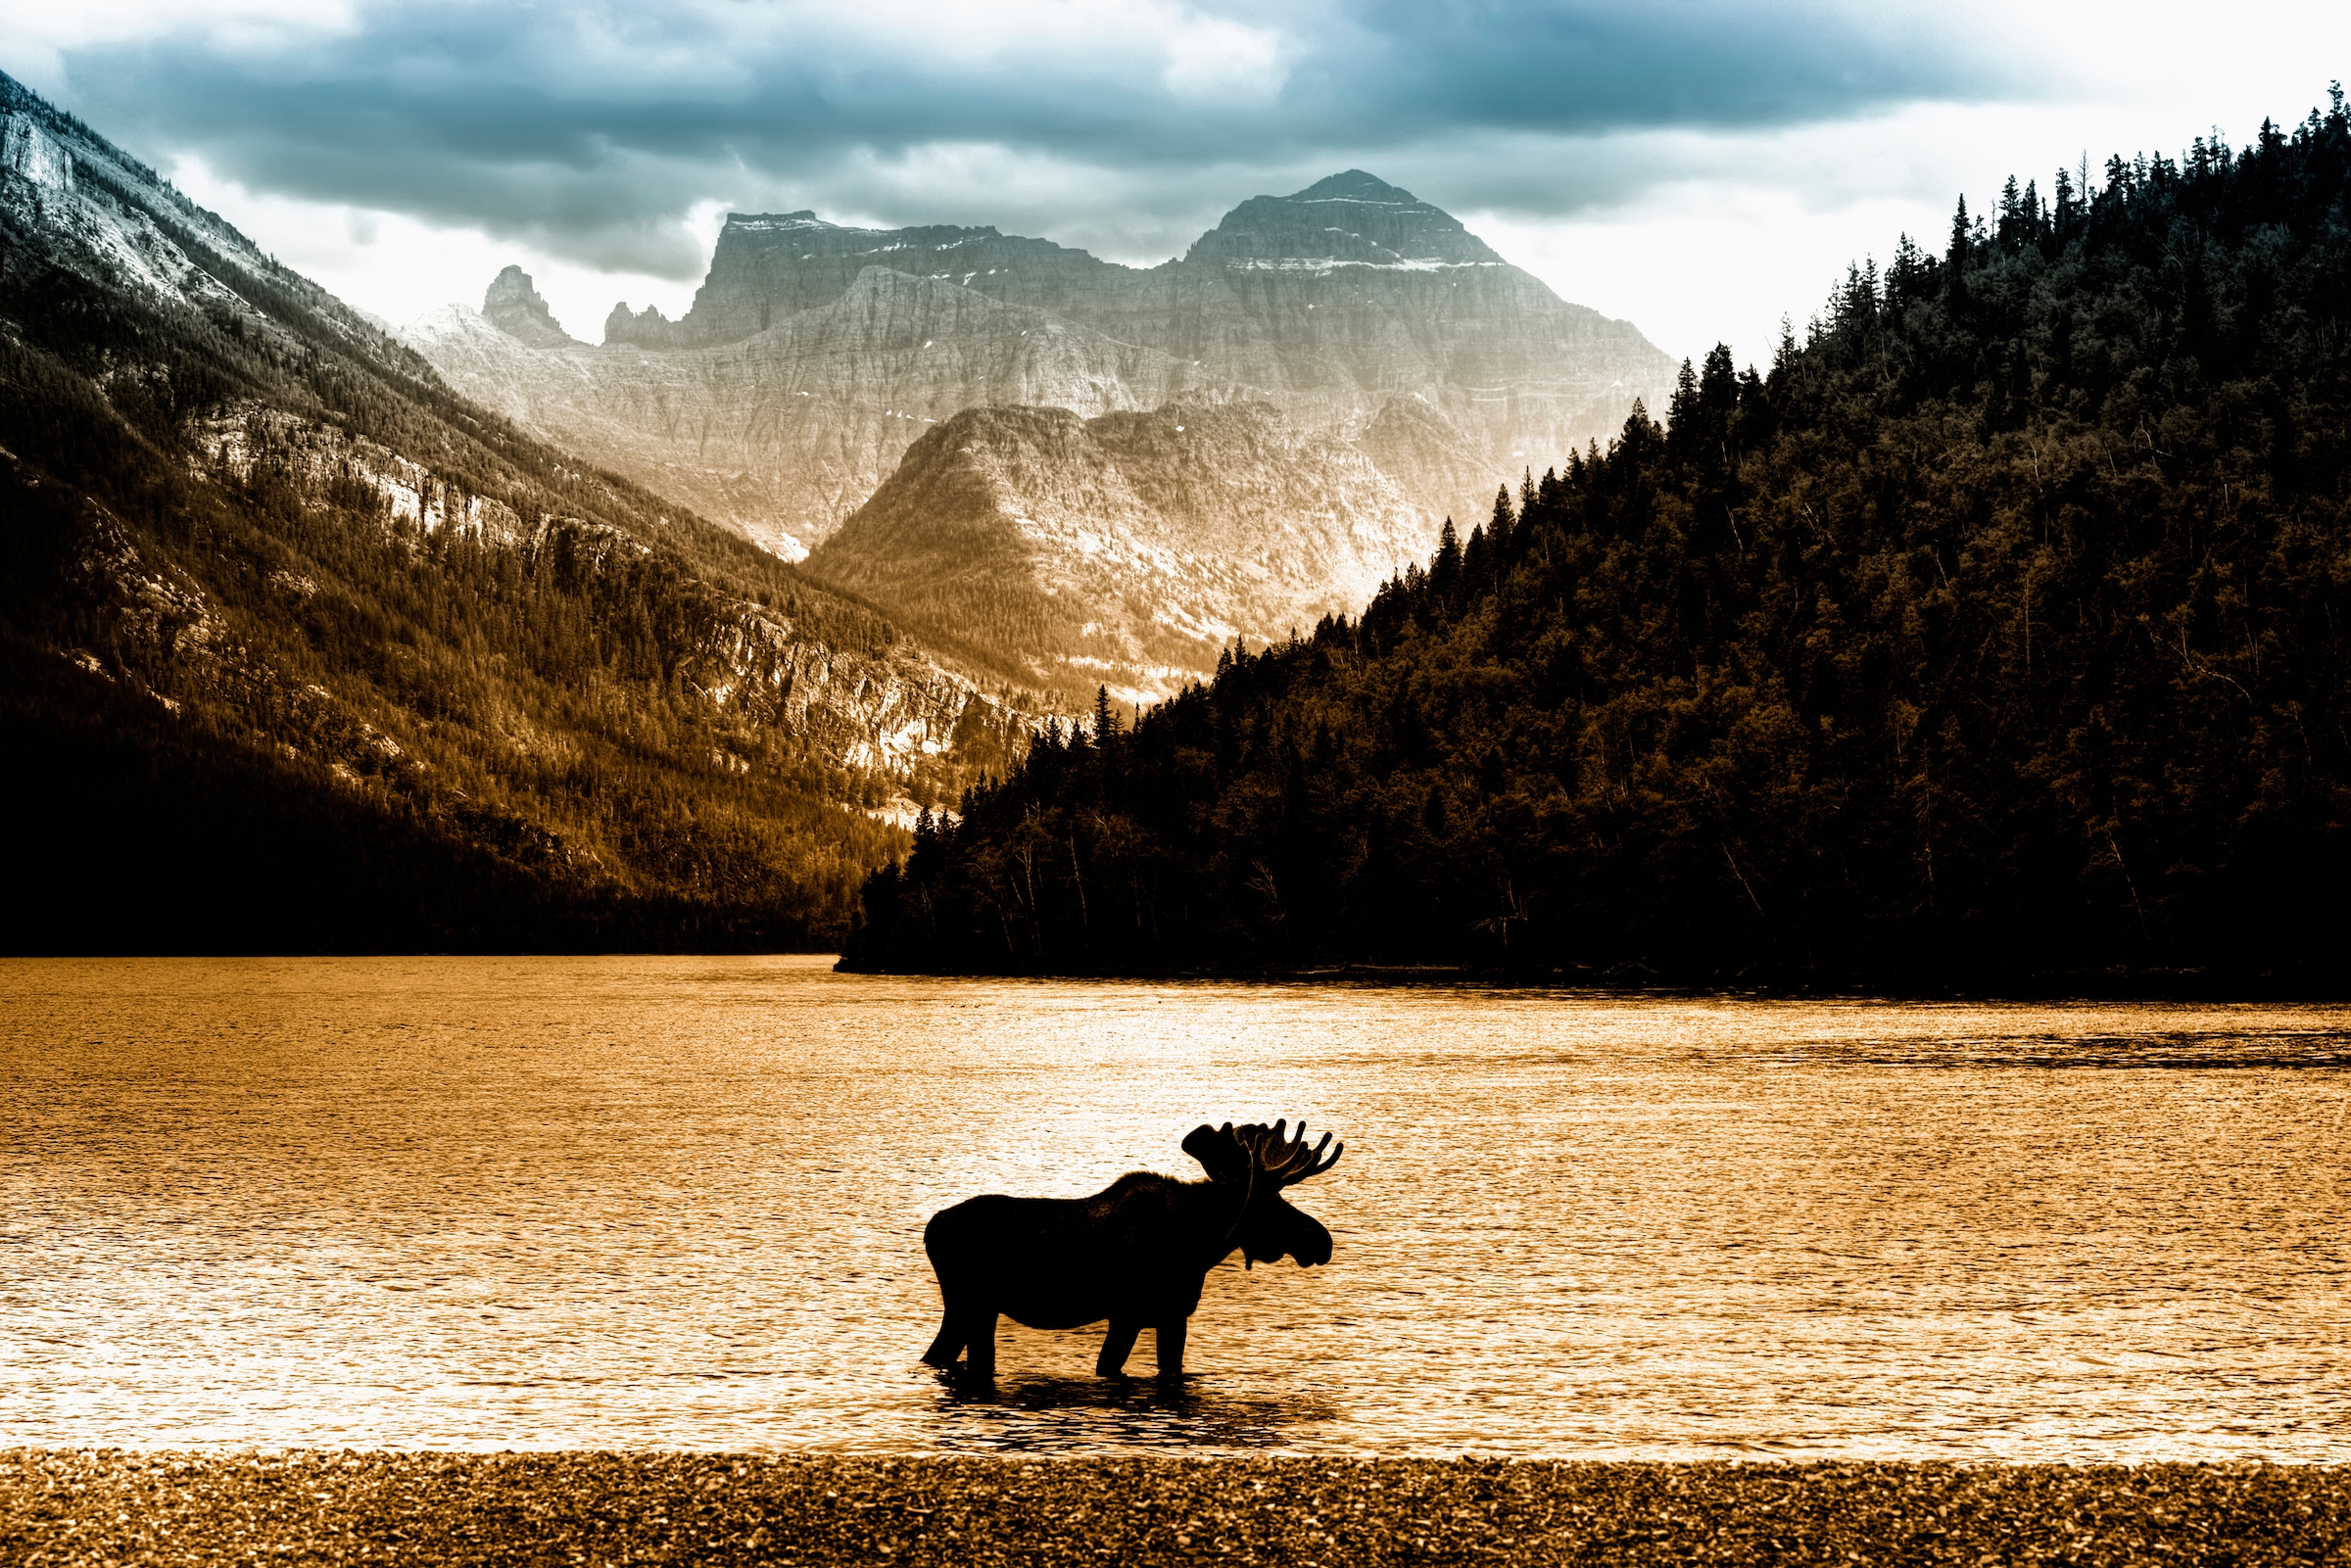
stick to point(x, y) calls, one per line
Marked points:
point(1285, 1161)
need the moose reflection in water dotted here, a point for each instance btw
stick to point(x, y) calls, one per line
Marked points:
point(1136, 1253)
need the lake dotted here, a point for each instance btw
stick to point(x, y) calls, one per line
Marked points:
point(678, 1203)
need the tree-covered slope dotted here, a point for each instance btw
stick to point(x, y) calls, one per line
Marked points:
point(305, 651)
point(1998, 634)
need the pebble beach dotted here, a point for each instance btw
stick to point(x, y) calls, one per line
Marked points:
point(67, 1506)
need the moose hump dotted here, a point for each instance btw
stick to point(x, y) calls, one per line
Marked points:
point(1136, 1254)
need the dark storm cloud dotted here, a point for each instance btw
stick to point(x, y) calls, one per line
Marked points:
point(588, 130)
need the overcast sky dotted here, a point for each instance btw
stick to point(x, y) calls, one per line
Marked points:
point(1699, 169)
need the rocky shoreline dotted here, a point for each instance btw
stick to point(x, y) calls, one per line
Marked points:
point(63, 1506)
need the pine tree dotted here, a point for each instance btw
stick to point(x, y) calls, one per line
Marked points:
point(1956, 267)
point(1681, 414)
point(1445, 569)
point(1106, 723)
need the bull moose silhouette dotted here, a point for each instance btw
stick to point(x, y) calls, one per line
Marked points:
point(1136, 1253)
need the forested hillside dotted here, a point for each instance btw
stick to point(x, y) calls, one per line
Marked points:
point(1996, 637)
point(305, 653)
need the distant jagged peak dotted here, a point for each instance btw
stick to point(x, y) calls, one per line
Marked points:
point(511, 285)
point(1348, 219)
point(1357, 186)
point(513, 306)
point(647, 327)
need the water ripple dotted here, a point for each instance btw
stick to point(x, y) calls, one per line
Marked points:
point(678, 1203)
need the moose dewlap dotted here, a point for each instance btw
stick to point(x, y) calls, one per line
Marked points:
point(1136, 1254)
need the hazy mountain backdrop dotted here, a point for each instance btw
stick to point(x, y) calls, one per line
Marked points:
point(1372, 338)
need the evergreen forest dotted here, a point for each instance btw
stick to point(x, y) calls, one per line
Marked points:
point(1995, 638)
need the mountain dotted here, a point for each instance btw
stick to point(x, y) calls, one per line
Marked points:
point(1373, 326)
point(1128, 549)
point(306, 651)
point(1994, 640)
point(1331, 305)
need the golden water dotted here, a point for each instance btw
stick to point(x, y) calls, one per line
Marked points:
point(539, 1203)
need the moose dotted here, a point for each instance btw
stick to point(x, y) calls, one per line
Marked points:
point(1136, 1253)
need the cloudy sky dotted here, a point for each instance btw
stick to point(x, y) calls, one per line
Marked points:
point(1702, 169)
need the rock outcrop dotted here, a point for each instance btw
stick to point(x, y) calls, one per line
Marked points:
point(1126, 549)
point(767, 266)
point(515, 308)
point(32, 155)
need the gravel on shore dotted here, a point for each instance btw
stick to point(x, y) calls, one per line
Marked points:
point(68, 1506)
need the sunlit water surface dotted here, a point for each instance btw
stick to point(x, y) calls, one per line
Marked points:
point(678, 1203)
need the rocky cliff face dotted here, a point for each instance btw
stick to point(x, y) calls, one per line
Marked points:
point(1124, 550)
point(768, 266)
point(785, 432)
point(32, 155)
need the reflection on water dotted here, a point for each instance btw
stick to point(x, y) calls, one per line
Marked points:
point(2298, 1049)
point(1030, 1413)
point(679, 1203)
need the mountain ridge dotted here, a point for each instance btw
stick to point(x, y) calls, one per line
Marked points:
point(815, 356)
point(1329, 321)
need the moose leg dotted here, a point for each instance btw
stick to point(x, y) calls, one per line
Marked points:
point(978, 1331)
point(1170, 1338)
point(1116, 1345)
point(944, 1349)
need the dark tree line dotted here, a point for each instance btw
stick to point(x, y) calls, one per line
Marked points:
point(1995, 637)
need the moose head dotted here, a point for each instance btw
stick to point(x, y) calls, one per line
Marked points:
point(1259, 1161)
point(1137, 1253)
